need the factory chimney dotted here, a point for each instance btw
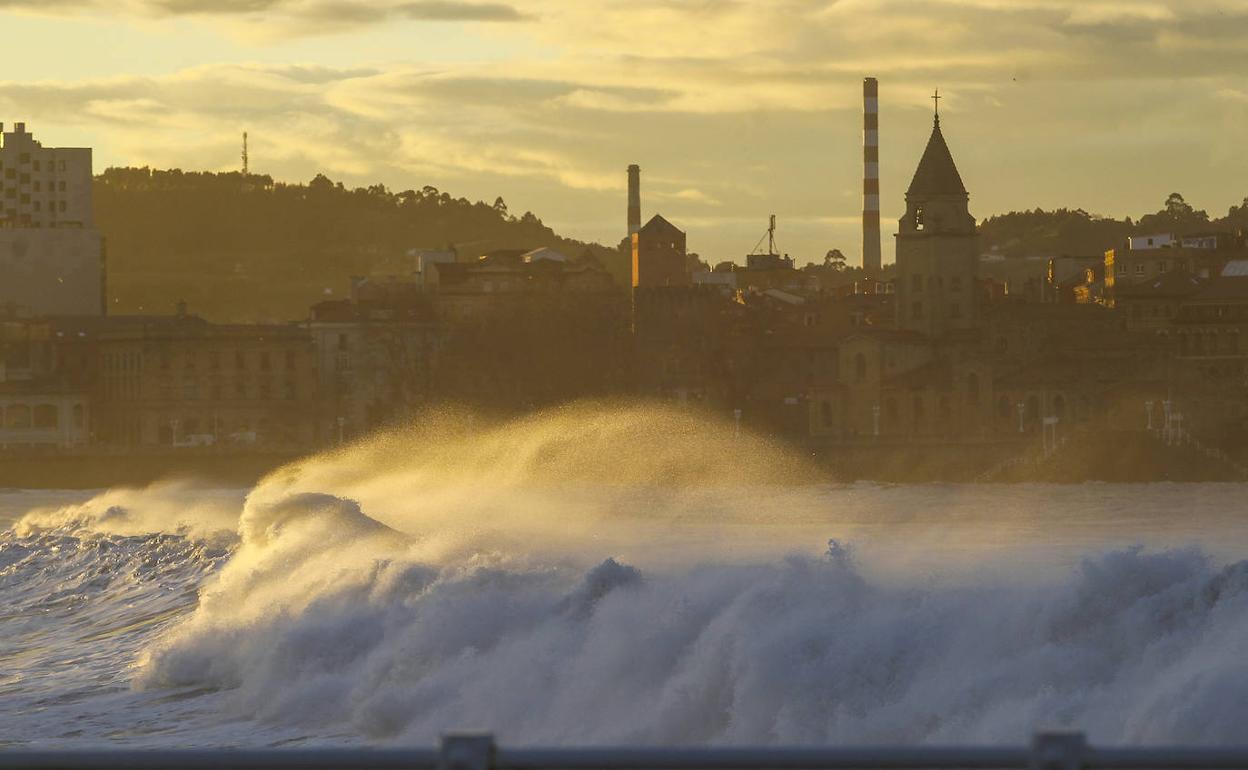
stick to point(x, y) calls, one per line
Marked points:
point(634, 199)
point(870, 176)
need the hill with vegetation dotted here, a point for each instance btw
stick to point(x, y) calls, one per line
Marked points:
point(239, 248)
point(1076, 232)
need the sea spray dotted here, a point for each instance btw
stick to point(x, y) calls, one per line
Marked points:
point(633, 574)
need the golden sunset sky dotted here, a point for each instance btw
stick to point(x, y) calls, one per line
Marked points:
point(733, 108)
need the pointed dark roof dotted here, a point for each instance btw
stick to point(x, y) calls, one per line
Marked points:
point(658, 224)
point(936, 174)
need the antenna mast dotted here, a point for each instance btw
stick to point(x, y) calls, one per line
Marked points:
point(246, 167)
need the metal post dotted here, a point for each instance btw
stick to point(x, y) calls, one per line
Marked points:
point(1058, 751)
point(1148, 409)
point(466, 751)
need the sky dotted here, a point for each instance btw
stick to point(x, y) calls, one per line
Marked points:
point(734, 109)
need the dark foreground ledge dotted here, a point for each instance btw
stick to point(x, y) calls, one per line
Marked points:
point(1048, 751)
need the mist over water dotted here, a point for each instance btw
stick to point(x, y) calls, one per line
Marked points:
point(618, 573)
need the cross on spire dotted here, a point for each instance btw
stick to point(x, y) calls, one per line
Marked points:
point(936, 97)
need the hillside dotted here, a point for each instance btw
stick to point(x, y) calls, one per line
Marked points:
point(1078, 233)
point(240, 249)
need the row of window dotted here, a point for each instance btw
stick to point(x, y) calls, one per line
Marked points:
point(133, 361)
point(24, 179)
point(25, 160)
point(916, 310)
point(42, 416)
point(935, 282)
point(1163, 266)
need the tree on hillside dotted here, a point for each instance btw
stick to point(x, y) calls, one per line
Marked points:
point(1176, 215)
point(834, 260)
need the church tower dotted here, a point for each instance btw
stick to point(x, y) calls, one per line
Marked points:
point(937, 247)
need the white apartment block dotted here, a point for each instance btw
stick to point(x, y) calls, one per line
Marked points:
point(51, 256)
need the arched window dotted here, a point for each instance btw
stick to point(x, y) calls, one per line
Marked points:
point(860, 367)
point(46, 416)
point(972, 388)
point(825, 413)
point(17, 416)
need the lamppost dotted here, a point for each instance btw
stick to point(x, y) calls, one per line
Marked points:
point(1165, 410)
point(1178, 428)
point(1022, 411)
point(875, 417)
point(1148, 409)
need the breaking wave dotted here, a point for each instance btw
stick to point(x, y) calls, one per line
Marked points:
point(597, 576)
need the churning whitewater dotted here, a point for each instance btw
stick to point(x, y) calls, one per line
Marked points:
point(623, 575)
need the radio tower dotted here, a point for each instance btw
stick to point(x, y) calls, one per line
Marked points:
point(246, 168)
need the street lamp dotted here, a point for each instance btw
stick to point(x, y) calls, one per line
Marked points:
point(1022, 410)
point(875, 417)
point(1148, 409)
point(1165, 410)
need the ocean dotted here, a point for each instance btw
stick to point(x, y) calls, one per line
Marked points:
point(633, 575)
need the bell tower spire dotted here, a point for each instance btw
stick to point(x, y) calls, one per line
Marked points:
point(937, 245)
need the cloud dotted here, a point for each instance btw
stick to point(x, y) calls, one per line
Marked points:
point(296, 14)
point(748, 106)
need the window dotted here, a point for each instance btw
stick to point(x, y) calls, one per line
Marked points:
point(61, 205)
point(860, 367)
point(17, 416)
point(955, 283)
point(38, 186)
point(1122, 268)
point(37, 167)
point(916, 310)
point(290, 360)
point(60, 186)
point(825, 412)
point(1139, 268)
point(264, 361)
point(46, 416)
point(1162, 266)
point(342, 341)
point(240, 361)
point(955, 310)
point(61, 165)
point(916, 283)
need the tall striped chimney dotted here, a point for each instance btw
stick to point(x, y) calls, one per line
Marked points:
point(634, 199)
point(871, 176)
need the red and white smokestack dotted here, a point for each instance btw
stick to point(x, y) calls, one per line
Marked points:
point(871, 176)
point(634, 199)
